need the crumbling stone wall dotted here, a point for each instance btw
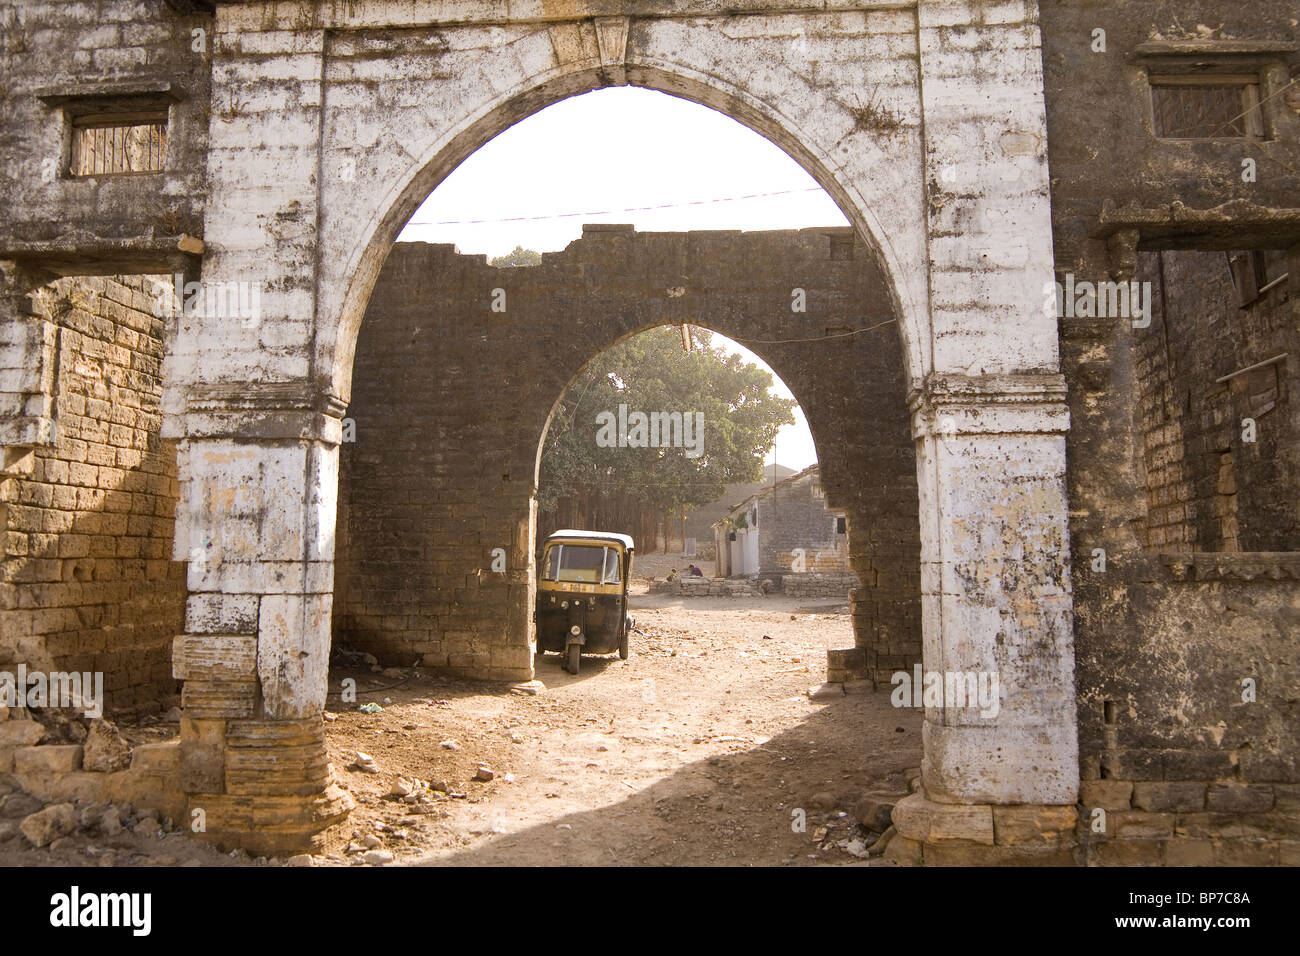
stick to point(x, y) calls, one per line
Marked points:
point(1187, 671)
point(451, 399)
point(86, 577)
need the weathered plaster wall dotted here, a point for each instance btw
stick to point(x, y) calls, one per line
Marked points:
point(103, 49)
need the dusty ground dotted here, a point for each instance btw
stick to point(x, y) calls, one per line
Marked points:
point(697, 750)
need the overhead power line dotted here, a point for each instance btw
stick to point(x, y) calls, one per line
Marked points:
point(611, 212)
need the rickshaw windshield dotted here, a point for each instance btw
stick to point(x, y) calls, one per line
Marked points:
point(583, 564)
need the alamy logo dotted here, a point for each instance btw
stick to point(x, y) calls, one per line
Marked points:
point(212, 300)
point(947, 689)
point(1100, 300)
point(72, 690)
point(655, 430)
point(74, 908)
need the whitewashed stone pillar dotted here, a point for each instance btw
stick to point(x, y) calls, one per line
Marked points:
point(990, 420)
point(257, 459)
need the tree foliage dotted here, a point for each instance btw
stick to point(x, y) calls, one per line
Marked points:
point(652, 372)
point(519, 257)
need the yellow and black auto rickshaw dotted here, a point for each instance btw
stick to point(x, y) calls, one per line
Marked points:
point(582, 595)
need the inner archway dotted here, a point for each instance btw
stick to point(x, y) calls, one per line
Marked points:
point(437, 513)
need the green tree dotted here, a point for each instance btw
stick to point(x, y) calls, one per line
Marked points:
point(652, 372)
point(519, 257)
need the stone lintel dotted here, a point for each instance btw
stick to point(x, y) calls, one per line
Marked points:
point(1237, 224)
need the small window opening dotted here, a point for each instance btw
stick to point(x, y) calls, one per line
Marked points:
point(1206, 107)
point(124, 143)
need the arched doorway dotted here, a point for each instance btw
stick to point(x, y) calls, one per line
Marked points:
point(310, 195)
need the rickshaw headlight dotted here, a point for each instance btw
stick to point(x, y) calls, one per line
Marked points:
point(575, 630)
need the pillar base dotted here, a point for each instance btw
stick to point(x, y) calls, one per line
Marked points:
point(951, 834)
point(271, 826)
point(277, 792)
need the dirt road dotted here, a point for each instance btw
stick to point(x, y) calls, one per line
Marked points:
point(700, 749)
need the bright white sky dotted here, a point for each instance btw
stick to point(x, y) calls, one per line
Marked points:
point(604, 157)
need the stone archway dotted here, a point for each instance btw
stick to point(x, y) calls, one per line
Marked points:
point(325, 135)
point(451, 406)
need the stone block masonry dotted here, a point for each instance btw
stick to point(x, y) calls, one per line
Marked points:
point(87, 581)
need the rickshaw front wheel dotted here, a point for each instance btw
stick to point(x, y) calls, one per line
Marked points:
point(622, 643)
point(574, 658)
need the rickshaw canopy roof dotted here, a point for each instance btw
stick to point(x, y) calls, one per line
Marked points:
point(595, 537)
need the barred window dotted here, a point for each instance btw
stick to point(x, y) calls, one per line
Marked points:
point(119, 144)
point(1206, 107)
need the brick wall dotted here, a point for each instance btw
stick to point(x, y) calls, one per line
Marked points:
point(450, 402)
point(86, 576)
point(1209, 489)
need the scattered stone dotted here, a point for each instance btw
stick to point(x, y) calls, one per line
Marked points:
point(856, 847)
point(105, 749)
point(46, 826)
point(874, 810)
point(371, 708)
point(378, 857)
point(877, 848)
point(449, 745)
point(110, 822)
point(531, 687)
point(89, 815)
point(484, 774)
point(19, 804)
point(827, 691)
point(365, 763)
point(329, 718)
point(302, 859)
point(402, 787)
point(370, 841)
point(439, 785)
point(8, 830)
